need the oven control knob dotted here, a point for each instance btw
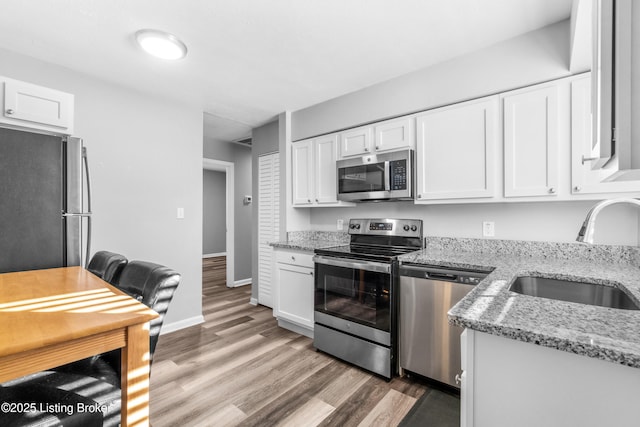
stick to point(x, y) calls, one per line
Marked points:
point(414, 228)
point(406, 228)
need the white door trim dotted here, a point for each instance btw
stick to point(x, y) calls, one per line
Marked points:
point(227, 167)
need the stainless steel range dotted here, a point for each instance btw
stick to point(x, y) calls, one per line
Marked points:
point(355, 292)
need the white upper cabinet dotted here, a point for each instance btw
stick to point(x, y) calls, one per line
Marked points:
point(314, 172)
point(302, 162)
point(356, 142)
point(29, 106)
point(455, 151)
point(531, 142)
point(585, 179)
point(325, 148)
point(389, 135)
point(394, 134)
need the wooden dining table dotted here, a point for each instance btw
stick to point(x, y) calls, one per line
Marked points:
point(55, 316)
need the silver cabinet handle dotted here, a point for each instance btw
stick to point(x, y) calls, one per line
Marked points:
point(458, 379)
point(293, 258)
point(311, 273)
point(588, 159)
point(10, 111)
point(419, 196)
point(308, 200)
point(552, 190)
point(377, 147)
point(366, 149)
point(577, 188)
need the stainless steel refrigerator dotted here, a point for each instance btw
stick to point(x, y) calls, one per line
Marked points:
point(44, 222)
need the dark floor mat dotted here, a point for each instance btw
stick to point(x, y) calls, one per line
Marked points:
point(434, 409)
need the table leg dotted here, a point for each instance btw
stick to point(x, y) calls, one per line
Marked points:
point(135, 377)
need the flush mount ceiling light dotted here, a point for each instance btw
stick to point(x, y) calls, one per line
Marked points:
point(161, 44)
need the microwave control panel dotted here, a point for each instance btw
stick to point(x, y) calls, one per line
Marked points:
point(398, 174)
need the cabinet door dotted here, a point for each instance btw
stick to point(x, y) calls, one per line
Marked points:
point(355, 142)
point(302, 172)
point(32, 106)
point(325, 169)
point(455, 151)
point(295, 294)
point(531, 143)
point(584, 179)
point(395, 134)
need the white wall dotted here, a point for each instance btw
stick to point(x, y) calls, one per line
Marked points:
point(535, 57)
point(145, 155)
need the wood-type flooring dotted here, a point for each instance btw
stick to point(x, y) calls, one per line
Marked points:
point(239, 368)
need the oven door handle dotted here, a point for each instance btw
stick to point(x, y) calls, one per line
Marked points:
point(377, 267)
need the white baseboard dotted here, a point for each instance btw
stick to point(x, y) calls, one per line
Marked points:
point(181, 324)
point(242, 282)
point(214, 255)
point(253, 301)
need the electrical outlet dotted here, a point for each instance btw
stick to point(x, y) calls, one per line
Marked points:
point(340, 225)
point(180, 213)
point(488, 229)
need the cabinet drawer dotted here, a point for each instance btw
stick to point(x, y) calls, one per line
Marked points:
point(300, 258)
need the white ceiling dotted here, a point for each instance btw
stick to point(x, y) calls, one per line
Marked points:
point(249, 60)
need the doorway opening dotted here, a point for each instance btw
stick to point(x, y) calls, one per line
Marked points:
point(228, 169)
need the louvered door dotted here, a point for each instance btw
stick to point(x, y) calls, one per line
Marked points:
point(268, 222)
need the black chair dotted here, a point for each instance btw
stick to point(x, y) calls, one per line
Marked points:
point(107, 265)
point(95, 380)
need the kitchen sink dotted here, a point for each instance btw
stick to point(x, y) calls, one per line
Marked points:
point(580, 292)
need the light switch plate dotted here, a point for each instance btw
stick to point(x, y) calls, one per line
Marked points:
point(340, 225)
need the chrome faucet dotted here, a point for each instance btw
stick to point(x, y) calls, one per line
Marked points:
point(588, 226)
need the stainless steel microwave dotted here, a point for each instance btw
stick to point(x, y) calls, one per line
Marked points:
point(376, 177)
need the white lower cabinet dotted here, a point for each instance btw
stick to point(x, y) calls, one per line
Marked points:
point(512, 383)
point(294, 290)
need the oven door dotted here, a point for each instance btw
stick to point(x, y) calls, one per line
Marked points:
point(354, 296)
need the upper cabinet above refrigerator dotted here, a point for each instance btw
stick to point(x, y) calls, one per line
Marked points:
point(37, 108)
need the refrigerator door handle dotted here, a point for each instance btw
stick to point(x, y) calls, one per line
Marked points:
point(85, 160)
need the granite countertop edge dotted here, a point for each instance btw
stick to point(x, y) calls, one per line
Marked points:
point(303, 245)
point(597, 332)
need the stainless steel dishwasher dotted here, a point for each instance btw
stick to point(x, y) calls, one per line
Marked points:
point(429, 345)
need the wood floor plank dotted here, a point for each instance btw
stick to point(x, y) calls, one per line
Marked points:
point(309, 414)
point(389, 411)
point(239, 368)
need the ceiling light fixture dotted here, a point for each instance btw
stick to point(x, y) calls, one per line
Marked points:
point(161, 44)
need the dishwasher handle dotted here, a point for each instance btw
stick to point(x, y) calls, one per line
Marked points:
point(442, 274)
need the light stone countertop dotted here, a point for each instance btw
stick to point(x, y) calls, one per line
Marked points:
point(311, 240)
point(603, 333)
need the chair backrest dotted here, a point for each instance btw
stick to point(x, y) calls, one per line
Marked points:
point(107, 265)
point(153, 285)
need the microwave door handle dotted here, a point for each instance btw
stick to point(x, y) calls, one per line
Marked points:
point(387, 178)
